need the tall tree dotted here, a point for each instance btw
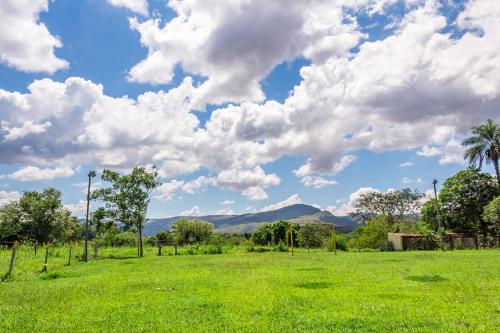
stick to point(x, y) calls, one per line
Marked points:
point(463, 198)
point(394, 205)
point(44, 218)
point(127, 200)
point(484, 146)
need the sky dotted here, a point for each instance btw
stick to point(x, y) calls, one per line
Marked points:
point(243, 105)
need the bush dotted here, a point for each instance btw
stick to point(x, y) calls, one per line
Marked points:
point(341, 242)
point(387, 246)
point(281, 247)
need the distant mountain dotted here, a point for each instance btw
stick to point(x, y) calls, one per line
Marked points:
point(238, 224)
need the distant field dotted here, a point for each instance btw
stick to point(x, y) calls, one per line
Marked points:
point(255, 292)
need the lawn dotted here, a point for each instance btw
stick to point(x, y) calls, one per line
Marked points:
point(256, 292)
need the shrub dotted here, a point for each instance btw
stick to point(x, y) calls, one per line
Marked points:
point(281, 247)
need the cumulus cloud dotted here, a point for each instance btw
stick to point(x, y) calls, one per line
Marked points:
point(32, 173)
point(193, 211)
point(317, 182)
point(77, 209)
point(291, 200)
point(235, 44)
point(25, 43)
point(348, 206)
point(228, 202)
point(420, 88)
point(136, 6)
point(7, 197)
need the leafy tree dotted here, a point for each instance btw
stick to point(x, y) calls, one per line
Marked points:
point(484, 145)
point(127, 200)
point(373, 234)
point(263, 235)
point(463, 198)
point(491, 215)
point(394, 205)
point(431, 215)
point(45, 219)
point(311, 235)
point(192, 232)
point(11, 227)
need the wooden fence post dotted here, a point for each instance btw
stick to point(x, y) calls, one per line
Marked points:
point(12, 260)
point(44, 269)
point(70, 250)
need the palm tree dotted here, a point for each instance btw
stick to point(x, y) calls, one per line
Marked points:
point(484, 145)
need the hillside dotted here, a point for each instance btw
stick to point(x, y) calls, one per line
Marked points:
point(238, 224)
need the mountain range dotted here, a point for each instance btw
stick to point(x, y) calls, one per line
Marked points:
point(247, 223)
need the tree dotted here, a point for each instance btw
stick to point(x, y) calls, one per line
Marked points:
point(491, 215)
point(44, 218)
point(373, 234)
point(311, 235)
point(484, 145)
point(394, 205)
point(463, 198)
point(127, 200)
point(192, 232)
point(11, 227)
point(263, 235)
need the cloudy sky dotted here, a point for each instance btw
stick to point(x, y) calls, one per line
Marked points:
point(243, 105)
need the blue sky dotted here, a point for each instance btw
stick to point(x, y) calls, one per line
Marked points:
point(243, 106)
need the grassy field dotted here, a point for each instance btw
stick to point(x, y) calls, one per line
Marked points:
point(255, 292)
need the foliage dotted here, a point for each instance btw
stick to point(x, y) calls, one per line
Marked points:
point(463, 198)
point(491, 215)
point(484, 145)
point(394, 205)
point(11, 227)
point(341, 242)
point(281, 247)
point(127, 200)
point(430, 213)
point(192, 232)
point(372, 235)
point(272, 234)
point(44, 219)
point(311, 235)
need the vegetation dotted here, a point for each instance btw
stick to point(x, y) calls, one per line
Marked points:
point(484, 145)
point(127, 200)
point(39, 218)
point(450, 291)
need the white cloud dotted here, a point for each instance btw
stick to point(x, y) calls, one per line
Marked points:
point(427, 151)
point(7, 197)
point(194, 211)
point(225, 211)
point(228, 202)
point(136, 6)
point(25, 43)
point(453, 152)
point(415, 89)
point(32, 173)
point(235, 44)
point(292, 200)
point(317, 182)
point(77, 209)
point(406, 164)
point(407, 180)
point(348, 206)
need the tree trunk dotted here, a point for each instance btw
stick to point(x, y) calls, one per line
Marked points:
point(159, 250)
point(44, 269)
point(69, 257)
point(497, 170)
point(141, 253)
point(36, 246)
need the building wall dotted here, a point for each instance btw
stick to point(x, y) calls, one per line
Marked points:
point(396, 240)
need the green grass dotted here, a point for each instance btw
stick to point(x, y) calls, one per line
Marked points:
point(255, 292)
